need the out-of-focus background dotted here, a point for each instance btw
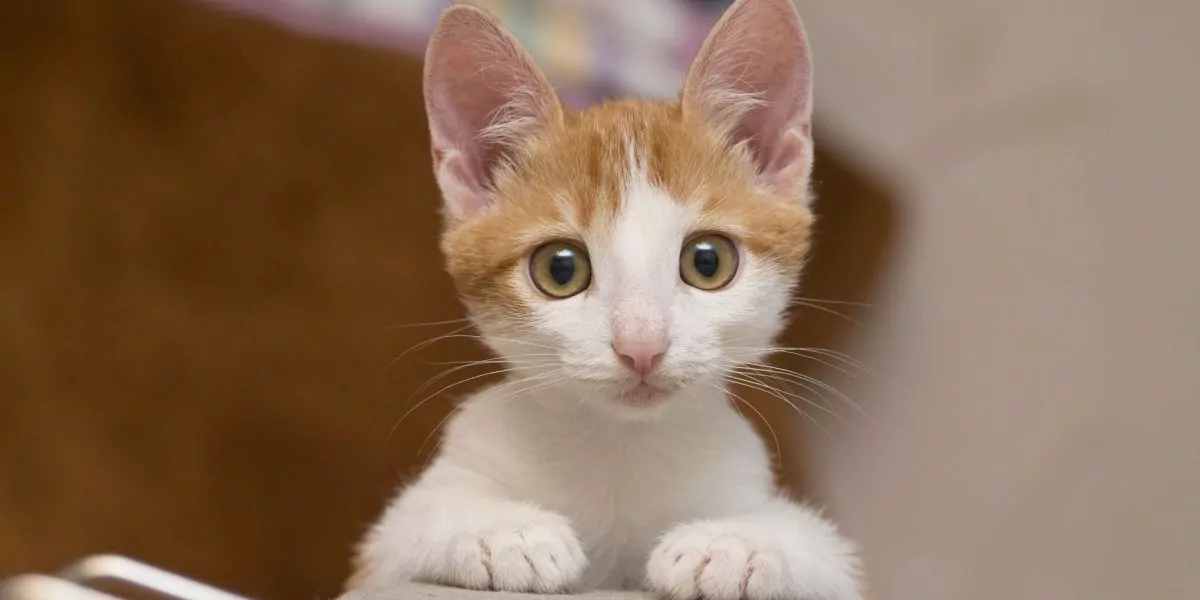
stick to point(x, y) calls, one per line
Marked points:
point(217, 219)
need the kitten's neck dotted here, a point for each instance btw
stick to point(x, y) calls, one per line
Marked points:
point(565, 436)
point(687, 403)
point(568, 435)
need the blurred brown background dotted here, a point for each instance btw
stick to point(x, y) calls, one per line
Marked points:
point(208, 228)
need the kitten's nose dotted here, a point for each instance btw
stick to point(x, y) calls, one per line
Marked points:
point(641, 355)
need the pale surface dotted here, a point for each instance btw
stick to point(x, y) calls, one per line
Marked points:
point(416, 592)
point(1041, 303)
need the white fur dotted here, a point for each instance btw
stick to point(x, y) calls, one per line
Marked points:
point(550, 482)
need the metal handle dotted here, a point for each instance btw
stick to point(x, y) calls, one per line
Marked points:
point(77, 580)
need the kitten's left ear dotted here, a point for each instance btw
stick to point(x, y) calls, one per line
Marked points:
point(753, 80)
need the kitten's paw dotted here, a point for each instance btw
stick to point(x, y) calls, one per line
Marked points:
point(725, 561)
point(535, 552)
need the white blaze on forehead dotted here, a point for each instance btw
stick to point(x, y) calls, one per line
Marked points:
point(642, 257)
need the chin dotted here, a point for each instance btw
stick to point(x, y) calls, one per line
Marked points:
point(638, 402)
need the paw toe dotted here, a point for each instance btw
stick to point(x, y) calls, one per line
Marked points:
point(726, 566)
point(511, 568)
point(707, 563)
point(765, 577)
point(468, 565)
point(533, 558)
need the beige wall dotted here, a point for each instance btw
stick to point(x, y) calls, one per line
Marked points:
point(1041, 306)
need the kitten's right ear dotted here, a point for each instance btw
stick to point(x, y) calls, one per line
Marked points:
point(753, 80)
point(483, 96)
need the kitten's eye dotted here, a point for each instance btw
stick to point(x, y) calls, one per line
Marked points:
point(708, 262)
point(560, 269)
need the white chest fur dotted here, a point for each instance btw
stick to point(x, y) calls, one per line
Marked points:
point(545, 494)
point(621, 484)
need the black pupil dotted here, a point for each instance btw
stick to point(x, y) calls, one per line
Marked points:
point(705, 260)
point(562, 266)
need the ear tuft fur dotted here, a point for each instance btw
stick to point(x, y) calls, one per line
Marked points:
point(753, 81)
point(484, 96)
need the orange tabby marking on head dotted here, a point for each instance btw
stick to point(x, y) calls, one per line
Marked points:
point(568, 178)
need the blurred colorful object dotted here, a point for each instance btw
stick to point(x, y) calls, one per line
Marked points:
point(590, 49)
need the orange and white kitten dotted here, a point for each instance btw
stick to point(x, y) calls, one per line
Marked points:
point(622, 259)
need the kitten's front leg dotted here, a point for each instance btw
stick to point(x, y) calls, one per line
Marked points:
point(462, 540)
point(783, 551)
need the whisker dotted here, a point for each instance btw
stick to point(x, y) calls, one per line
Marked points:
point(507, 358)
point(457, 334)
point(806, 353)
point(555, 377)
point(816, 360)
point(838, 302)
point(424, 344)
point(442, 390)
point(834, 354)
point(826, 309)
point(473, 378)
point(435, 429)
point(845, 358)
point(467, 364)
point(781, 378)
point(696, 398)
point(481, 338)
point(762, 417)
point(768, 390)
point(748, 378)
point(426, 324)
point(803, 380)
point(458, 408)
point(559, 378)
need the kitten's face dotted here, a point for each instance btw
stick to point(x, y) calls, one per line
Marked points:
point(629, 255)
point(638, 250)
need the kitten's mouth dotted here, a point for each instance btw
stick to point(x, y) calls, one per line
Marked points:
point(644, 394)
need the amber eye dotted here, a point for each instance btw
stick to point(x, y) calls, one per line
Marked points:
point(560, 269)
point(708, 262)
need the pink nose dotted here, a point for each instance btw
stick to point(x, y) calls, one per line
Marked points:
point(641, 355)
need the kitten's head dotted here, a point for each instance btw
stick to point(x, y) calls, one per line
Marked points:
point(638, 249)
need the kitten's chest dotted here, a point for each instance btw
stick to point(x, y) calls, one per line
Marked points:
point(623, 489)
point(619, 504)
point(622, 485)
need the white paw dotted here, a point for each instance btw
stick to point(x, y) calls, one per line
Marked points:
point(539, 553)
point(732, 561)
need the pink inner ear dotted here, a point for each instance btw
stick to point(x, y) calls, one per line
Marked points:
point(460, 181)
point(789, 170)
point(753, 77)
point(482, 95)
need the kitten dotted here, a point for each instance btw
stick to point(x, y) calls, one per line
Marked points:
point(622, 260)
